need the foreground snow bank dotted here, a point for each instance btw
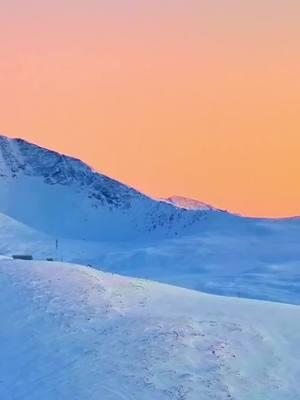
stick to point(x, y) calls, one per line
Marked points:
point(70, 332)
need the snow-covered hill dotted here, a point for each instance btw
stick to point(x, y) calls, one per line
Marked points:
point(74, 333)
point(66, 198)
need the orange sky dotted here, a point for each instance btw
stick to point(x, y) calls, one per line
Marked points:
point(188, 97)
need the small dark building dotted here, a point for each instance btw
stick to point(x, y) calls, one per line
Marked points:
point(25, 257)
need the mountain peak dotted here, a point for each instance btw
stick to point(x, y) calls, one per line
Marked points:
point(19, 156)
point(189, 204)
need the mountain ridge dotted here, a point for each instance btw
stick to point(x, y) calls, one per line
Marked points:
point(30, 170)
point(175, 200)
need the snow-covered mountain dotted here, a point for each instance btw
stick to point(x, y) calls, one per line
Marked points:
point(73, 333)
point(189, 204)
point(66, 198)
point(46, 196)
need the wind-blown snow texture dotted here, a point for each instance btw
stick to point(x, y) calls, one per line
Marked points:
point(74, 333)
point(46, 196)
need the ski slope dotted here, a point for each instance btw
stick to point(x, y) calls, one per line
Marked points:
point(73, 333)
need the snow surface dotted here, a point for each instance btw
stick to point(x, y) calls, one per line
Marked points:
point(74, 333)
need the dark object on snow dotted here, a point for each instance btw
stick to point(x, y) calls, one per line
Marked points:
point(49, 259)
point(22, 257)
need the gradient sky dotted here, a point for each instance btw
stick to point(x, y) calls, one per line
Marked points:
point(195, 98)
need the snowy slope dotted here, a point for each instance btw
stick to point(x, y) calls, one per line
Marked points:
point(73, 333)
point(65, 197)
point(253, 259)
